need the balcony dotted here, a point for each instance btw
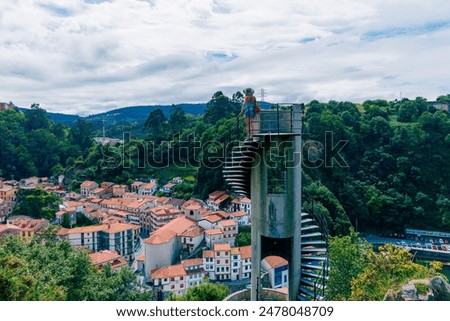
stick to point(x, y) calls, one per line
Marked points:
point(281, 119)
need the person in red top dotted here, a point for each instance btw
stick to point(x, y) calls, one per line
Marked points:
point(250, 109)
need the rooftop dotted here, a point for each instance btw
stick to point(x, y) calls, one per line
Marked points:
point(170, 271)
point(103, 257)
point(275, 261)
point(222, 247)
point(192, 231)
point(167, 232)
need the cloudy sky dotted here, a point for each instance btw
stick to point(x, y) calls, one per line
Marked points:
point(88, 56)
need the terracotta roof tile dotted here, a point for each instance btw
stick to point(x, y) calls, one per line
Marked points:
point(192, 262)
point(104, 257)
point(208, 254)
point(222, 247)
point(192, 231)
point(170, 230)
point(246, 252)
point(214, 231)
point(275, 261)
point(170, 271)
point(228, 223)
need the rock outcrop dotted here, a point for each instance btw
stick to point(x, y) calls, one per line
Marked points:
point(435, 289)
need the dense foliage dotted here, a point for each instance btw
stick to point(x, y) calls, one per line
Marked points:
point(37, 203)
point(358, 273)
point(203, 292)
point(36, 270)
point(32, 145)
point(376, 166)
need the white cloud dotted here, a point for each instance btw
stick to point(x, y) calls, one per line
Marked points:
point(92, 55)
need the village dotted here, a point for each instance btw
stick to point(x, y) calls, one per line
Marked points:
point(171, 244)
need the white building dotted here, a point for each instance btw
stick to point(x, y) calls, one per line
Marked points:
point(119, 237)
point(87, 187)
point(278, 271)
point(192, 238)
point(171, 278)
point(163, 247)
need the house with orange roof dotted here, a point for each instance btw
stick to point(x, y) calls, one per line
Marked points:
point(229, 229)
point(208, 264)
point(119, 237)
point(134, 187)
point(102, 258)
point(213, 236)
point(195, 271)
point(87, 187)
point(193, 209)
point(164, 246)
point(241, 203)
point(172, 278)
point(8, 195)
point(147, 188)
point(210, 221)
point(100, 192)
point(154, 218)
point(241, 218)
point(222, 262)
point(192, 238)
point(28, 226)
point(119, 190)
point(168, 188)
point(278, 271)
point(218, 200)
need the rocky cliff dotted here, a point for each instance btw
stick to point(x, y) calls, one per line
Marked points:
point(435, 289)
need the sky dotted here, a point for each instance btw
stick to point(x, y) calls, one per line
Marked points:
point(89, 56)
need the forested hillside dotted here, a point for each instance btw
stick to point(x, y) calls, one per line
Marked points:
point(379, 166)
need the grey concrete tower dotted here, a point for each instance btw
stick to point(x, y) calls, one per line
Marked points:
point(276, 194)
point(268, 169)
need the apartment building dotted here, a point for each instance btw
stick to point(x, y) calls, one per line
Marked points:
point(163, 247)
point(119, 237)
point(87, 187)
point(154, 218)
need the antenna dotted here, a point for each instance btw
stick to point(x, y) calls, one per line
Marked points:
point(104, 130)
point(262, 93)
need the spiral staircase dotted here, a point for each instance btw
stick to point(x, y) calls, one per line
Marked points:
point(314, 242)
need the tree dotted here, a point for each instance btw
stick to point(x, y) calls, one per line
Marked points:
point(42, 269)
point(82, 134)
point(36, 118)
point(156, 125)
point(204, 292)
point(178, 120)
point(244, 237)
point(389, 269)
point(37, 203)
point(220, 106)
point(347, 255)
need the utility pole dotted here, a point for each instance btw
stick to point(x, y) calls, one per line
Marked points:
point(262, 93)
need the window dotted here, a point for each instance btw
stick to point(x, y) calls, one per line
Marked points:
point(181, 285)
point(218, 269)
point(181, 278)
point(226, 253)
point(172, 279)
point(226, 261)
point(172, 287)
